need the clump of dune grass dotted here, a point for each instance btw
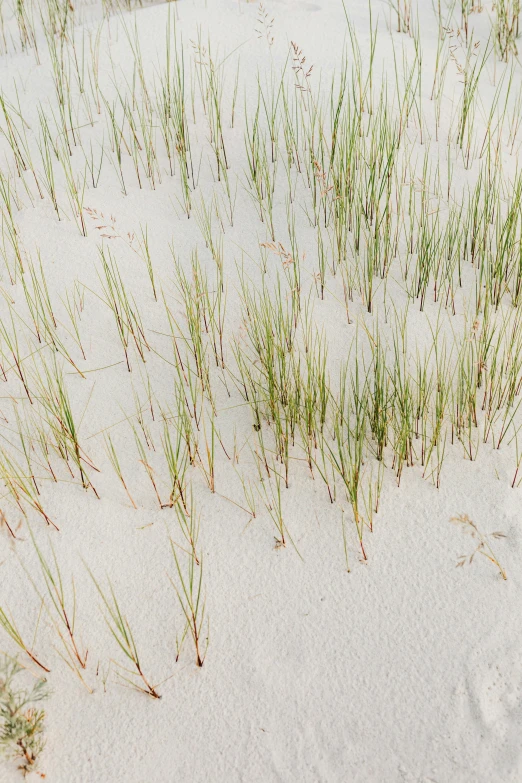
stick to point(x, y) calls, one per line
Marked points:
point(10, 627)
point(122, 633)
point(188, 582)
point(507, 27)
point(62, 607)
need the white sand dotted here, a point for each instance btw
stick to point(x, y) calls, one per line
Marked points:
point(406, 668)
